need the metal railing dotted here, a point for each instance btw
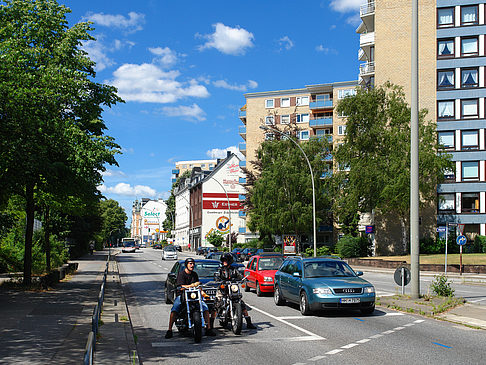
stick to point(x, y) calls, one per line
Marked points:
point(367, 8)
point(95, 319)
point(366, 68)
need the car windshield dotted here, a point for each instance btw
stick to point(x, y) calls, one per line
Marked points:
point(130, 244)
point(317, 269)
point(269, 263)
point(216, 256)
point(206, 269)
point(170, 248)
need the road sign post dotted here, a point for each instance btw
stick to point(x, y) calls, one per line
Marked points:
point(461, 241)
point(402, 277)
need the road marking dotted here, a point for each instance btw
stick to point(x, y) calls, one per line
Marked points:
point(349, 346)
point(388, 332)
point(317, 358)
point(377, 335)
point(408, 324)
point(478, 300)
point(359, 319)
point(182, 341)
point(439, 344)
point(287, 323)
point(364, 340)
point(398, 328)
point(332, 352)
point(394, 314)
point(293, 317)
point(419, 321)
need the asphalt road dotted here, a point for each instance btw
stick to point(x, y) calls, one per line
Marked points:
point(285, 337)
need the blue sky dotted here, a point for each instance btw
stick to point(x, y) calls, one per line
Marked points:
point(183, 66)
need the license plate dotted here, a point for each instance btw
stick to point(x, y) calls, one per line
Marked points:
point(349, 300)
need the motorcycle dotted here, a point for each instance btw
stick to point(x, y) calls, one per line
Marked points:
point(190, 319)
point(229, 307)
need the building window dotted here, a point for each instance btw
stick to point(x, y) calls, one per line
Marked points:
point(445, 48)
point(323, 97)
point(269, 103)
point(269, 120)
point(469, 77)
point(302, 100)
point(285, 102)
point(445, 79)
point(469, 15)
point(269, 136)
point(346, 92)
point(447, 202)
point(303, 135)
point(285, 119)
point(470, 140)
point(470, 202)
point(320, 133)
point(445, 17)
point(469, 108)
point(445, 109)
point(341, 130)
point(449, 175)
point(302, 118)
point(469, 46)
point(470, 171)
point(446, 140)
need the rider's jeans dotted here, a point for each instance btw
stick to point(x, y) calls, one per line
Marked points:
point(176, 307)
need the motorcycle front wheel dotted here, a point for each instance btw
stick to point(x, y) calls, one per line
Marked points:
point(237, 318)
point(197, 329)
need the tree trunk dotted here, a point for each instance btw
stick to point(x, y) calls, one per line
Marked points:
point(29, 231)
point(404, 235)
point(47, 241)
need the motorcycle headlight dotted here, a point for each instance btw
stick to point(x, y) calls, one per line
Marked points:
point(322, 291)
point(234, 288)
point(267, 278)
point(369, 289)
point(193, 295)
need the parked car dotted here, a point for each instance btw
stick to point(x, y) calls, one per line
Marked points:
point(320, 283)
point(210, 250)
point(143, 245)
point(157, 246)
point(205, 269)
point(200, 250)
point(247, 253)
point(169, 253)
point(178, 248)
point(129, 247)
point(217, 256)
point(260, 272)
point(237, 251)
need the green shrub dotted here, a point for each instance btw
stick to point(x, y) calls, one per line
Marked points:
point(480, 244)
point(277, 249)
point(440, 286)
point(321, 251)
point(349, 246)
point(430, 245)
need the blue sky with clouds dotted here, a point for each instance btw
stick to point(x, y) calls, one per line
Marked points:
point(183, 66)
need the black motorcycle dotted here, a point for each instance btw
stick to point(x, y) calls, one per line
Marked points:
point(229, 305)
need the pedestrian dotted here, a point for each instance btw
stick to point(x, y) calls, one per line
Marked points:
point(189, 246)
point(91, 248)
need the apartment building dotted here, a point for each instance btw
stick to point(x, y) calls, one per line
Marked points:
point(451, 86)
point(183, 166)
point(312, 108)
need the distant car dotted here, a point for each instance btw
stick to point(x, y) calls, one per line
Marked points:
point(178, 248)
point(237, 251)
point(169, 253)
point(205, 270)
point(260, 272)
point(322, 283)
point(210, 250)
point(157, 246)
point(143, 245)
point(217, 256)
point(247, 253)
point(200, 250)
point(129, 247)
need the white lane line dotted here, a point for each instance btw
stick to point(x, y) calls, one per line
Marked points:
point(351, 345)
point(398, 328)
point(394, 314)
point(317, 358)
point(377, 335)
point(478, 300)
point(388, 332)
point(419, 321)
point(240, 339)
point(287, 323)
point(364, 340)
point(293, 317)
point(332, 352)
point(408, 324)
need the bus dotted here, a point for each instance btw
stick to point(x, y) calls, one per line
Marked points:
point(130, 239)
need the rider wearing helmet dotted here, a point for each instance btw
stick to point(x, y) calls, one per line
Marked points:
point(228, 272)
point(185, 279)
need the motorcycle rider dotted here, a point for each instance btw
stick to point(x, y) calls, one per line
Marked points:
point(188, 278)
point(227, 272)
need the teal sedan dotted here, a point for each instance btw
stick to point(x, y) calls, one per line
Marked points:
point(322, 283)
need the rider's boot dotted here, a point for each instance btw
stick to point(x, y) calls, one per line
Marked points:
point(249, 325)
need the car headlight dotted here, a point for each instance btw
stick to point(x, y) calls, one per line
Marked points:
point(193, 295)
point(234, 288)
point(322, 291)
point(267, 278)
point(369, 289)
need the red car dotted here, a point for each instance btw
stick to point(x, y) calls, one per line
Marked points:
point(260, 272)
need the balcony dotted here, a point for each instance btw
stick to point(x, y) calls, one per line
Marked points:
point(320, 104)
point(243, 163)
point(242, 213)
point(366, 39)
point(321, 122)
point(367, 68)
point(242, 147)
point(367, 9)
point(242, 180)
point(175, 171)
point(242, 132)
point(174, 180)
point(241, 197)
point(361, 55)
point(242, 230)
point(242, 114)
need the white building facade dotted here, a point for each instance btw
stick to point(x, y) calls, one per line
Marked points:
point(152, 217)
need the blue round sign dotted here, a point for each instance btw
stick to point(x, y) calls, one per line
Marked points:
point(461, 240)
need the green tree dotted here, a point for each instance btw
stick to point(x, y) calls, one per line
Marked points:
point(113, 220)
point(51, 132)
point(215, 238)
point(374, 161)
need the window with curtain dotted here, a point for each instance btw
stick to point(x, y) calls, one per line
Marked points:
point(447, 202)
point(445, 17)
point(470, 170)
point(469, 15)
point(445, 48)
point(445, 79)
point(445, 109)
point(469, 77)
point(469, 46)
point(470, 202)
point(469, 108)
point(470, 140)
point(446, 139)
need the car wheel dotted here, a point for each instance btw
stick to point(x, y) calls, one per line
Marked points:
point(167, 299)
point(258, 290)
point(304, 304)
point(277, 296)
point(247, 288)
point(368, 310)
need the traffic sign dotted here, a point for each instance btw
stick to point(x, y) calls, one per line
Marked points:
point(398, 275)
point(461, 240)
point(441, 229)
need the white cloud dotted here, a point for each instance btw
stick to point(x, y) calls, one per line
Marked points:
point(130, 24)
point(191, 113)
point(326, 50)
point(222, 153)
point(149, 83)
point(165, 56)
point(243, 87)
point(128, 190)
point(232, 41)
point(97, 52)
point(346, 6)
point(286, 43)
point(113, 173)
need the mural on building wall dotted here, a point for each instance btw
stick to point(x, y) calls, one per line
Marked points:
point(222, 224)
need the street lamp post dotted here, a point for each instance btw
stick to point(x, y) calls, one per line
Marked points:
point(265, 128)
point(229, 211)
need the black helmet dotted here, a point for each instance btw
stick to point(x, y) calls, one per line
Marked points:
point(227, 257)
point(188, 260)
